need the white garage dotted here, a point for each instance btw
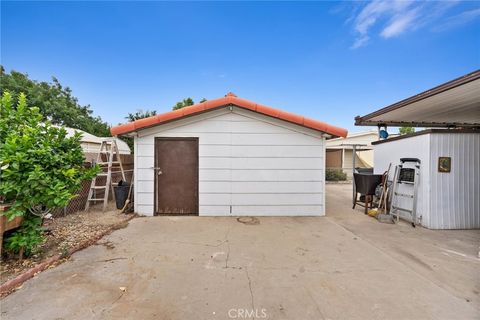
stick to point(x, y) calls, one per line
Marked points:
point(229, 156)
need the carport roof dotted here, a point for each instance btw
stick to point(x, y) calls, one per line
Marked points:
point(453, 104)
point(229, 99)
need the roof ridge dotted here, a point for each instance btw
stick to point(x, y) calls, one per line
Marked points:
point(229, 99)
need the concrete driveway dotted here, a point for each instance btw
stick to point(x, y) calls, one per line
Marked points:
point(343, 266)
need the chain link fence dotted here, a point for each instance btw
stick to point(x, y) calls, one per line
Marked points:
point(80, 200)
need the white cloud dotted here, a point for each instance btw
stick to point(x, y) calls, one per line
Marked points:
point(392, 18)
point(459, 19)
point(360, 42)
point(372, 13)
point(399, 24)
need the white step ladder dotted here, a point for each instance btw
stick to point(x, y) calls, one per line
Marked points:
point(405, 190)
point(108, 158)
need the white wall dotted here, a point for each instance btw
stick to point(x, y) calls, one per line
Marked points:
point(445, 200)
point(413, 147)
point(455, 196)
point(255, 164)
point(365, 138)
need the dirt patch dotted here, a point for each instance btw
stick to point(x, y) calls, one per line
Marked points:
point(248, 220)
point(62, 235)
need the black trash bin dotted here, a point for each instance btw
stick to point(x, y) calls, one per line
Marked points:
point(121, 193)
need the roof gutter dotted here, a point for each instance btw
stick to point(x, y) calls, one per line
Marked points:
point(364, 120)
point(418, 124)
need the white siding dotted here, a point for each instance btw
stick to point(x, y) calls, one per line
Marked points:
point(455, 196)
point(446, 200)
point(249, 164)
point(413, 147)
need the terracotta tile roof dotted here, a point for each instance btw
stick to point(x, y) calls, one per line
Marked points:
point(229, 99)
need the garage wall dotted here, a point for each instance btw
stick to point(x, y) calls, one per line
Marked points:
point(413, 147)
point(455, 200)
point(445, 200)
point(249, 164)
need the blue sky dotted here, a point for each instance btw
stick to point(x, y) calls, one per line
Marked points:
point(327, 60)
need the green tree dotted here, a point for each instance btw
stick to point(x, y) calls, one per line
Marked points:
point(184, 103)
point(406, 130)
point(40, 168)
point(54, 101)
point(140, 114)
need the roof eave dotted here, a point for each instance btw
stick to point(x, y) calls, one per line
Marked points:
point(229, 100)
point(366, 119)
point(135, 130)
point(418, 124)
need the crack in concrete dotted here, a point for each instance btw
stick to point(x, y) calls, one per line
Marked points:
point(227, 233)
point(112, 304)
point(250, 287)
point(199, 244)
point(112, 259)
point(226, 240)
point(228, 255)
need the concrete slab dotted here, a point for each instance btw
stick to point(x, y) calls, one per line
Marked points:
point(448, 258)
point(343, 266)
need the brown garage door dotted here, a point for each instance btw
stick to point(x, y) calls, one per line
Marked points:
point(176, 176)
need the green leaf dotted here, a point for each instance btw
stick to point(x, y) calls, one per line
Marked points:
point(41, 166)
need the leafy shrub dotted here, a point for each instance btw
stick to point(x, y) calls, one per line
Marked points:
point(26, 239)
point(335, 175)
point(40, 168)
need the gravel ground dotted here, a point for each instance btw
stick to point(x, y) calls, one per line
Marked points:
point(63, 234)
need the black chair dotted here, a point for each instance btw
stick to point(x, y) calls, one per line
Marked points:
point(365, 184)
point(364, 170)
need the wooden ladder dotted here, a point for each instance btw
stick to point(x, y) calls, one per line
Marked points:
point(109, 163)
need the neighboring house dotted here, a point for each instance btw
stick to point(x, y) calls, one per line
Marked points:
point(340, 151)
point(449, 184)
point(91, 144)
point(229, 156)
